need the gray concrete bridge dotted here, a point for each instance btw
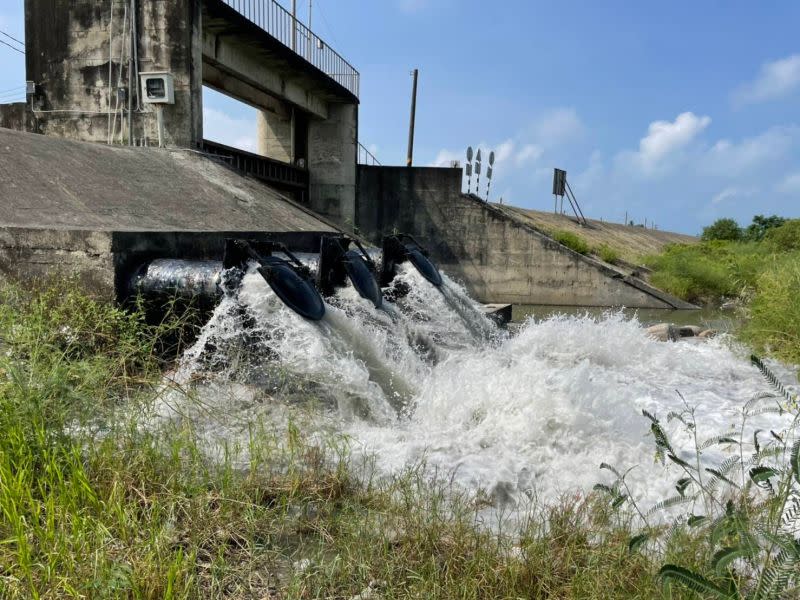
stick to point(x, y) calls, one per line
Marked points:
point(85, 56)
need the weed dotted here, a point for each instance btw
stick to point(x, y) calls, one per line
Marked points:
point(572, 241)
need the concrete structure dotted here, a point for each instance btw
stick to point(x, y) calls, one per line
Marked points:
point(84, 58)
point(500, 258)
point(96, 211)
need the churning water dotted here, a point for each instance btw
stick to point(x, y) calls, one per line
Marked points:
point(429, 380)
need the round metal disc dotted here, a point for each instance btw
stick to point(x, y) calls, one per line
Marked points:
point(362, 278)
point(294, 291)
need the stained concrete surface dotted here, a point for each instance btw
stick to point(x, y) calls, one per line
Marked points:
point(55, 183)
point(96, 211)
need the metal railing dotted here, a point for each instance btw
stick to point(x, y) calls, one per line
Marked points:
point(365, 157)
point(279, 23)
point(275, 172)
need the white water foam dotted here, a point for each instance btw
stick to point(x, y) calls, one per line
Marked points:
point(425, 381)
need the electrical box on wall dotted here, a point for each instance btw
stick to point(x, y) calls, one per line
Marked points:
point(157, 87)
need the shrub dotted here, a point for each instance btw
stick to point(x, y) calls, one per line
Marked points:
point(774, 322)
point(698, 273)
point(607, 254)
point(741, 506)
point(723, 229)
point(784, 238)
point(572, 241)
point(756, 231)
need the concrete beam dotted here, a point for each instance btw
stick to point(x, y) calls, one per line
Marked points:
point(275, 135)
point(241, 71)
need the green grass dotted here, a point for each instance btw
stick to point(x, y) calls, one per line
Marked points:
point(93, 504)
point(763, 276)
point(773, 323)
point(607, 254)
point(571, 240)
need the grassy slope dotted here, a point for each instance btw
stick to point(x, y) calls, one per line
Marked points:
point(764, 276)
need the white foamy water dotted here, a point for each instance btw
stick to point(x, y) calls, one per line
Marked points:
point(429, 380)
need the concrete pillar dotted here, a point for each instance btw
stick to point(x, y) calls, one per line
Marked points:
point(275, 135)
point(74, 92)
point(332, 152)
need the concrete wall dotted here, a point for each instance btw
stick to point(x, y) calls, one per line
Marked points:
point(498, 258)
point(31, 254)
point(69, 45)
point(332, 156)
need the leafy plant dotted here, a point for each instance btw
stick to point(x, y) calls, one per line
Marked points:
point(572, 241)
point(607, 254)
point(750, 502)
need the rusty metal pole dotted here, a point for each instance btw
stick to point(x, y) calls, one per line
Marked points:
point(410, 157)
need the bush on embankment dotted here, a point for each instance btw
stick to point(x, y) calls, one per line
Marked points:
point(762, 275)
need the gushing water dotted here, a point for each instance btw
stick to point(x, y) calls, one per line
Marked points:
point(431, 380)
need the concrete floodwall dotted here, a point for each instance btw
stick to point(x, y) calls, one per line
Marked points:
point(500, 259)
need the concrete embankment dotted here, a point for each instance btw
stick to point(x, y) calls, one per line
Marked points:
point(500, 256)
point(85, 209)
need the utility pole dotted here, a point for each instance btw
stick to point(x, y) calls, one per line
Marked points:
point(410, 157)
point(294, 25)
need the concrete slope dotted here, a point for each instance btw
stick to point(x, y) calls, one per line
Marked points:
point(499, 255)
point(632, 243)
point(54, 183)
point(97, 212)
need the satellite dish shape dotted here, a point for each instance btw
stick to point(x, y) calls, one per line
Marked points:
point(491, 157)
point(363, 280)
point(294, 291)
point(469, 154)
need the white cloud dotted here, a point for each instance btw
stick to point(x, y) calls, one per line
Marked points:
point(412, 6)
point(221, 127)
point(528, 153)
point(730, 193)
point(729, 158)
point(503, 152)
point(790, 184)
point(665, 137)
point(445, 157)
point(506, 154)
point(558, 126)
point(775, 80)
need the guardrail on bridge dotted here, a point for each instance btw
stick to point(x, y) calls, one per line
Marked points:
point(279, 23)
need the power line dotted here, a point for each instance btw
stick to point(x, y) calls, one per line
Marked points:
point(328, 26)
point(12, 38)
point(12, 47)
point(14, 89)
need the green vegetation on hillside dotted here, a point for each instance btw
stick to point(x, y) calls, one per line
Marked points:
point(571, 240)
point(761, 270)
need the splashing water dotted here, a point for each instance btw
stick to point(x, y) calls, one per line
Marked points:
point(431, 380)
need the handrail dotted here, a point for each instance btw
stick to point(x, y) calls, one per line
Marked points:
point(279, 23)
point(365, 157)
point(281, 174)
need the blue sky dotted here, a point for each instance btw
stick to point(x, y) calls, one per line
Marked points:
point(678, 112)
